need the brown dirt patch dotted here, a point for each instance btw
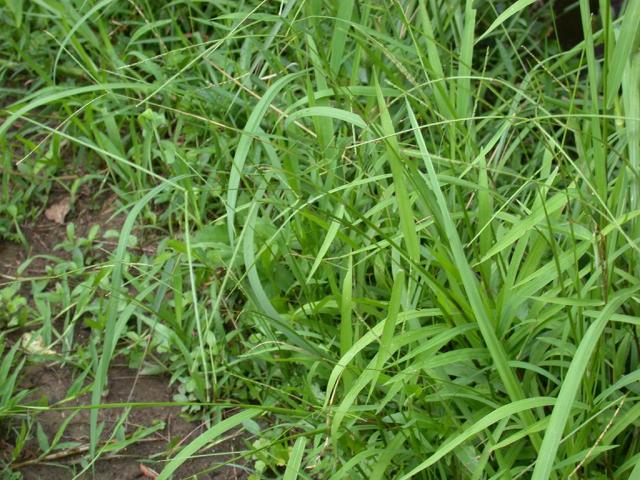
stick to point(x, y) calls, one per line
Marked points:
point(44, 234)
point(125, 386)
point(11, 256)
point(50, 380)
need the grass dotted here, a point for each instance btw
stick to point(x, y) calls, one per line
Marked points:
point(386, 239)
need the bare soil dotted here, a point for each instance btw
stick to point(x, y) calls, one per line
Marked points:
point(137, 461)
point(49, 380)
point(43, 234)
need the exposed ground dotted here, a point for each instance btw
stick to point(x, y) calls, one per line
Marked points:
point(162, 430)
point(144, 455)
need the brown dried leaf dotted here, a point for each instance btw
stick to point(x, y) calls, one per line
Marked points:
point(148, 472)
point(34, 344)
point(58, 211)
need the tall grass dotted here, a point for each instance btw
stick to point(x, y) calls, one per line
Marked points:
point(404, 233)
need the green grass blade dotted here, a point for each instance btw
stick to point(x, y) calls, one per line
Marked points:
point(327, 112)
point(510, 11)
point(488, 420)
point(249, 133)
point(466, 59)
point(569, 389)
point(50, 95)
point(390, 324)
point(207, 437)
point(346, 311)
point(295, 459)
point(521, 228)
point(110, 333)
point(407, 223)
point(467, 276)
point(340, 31)
point(635, 473)
point(80, 23)
point(328, 240)
point(625, 45)
point(386, 457)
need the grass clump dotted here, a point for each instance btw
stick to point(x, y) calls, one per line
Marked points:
point(389, 239)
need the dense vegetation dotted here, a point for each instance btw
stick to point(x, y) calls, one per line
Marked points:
point(387, 239)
